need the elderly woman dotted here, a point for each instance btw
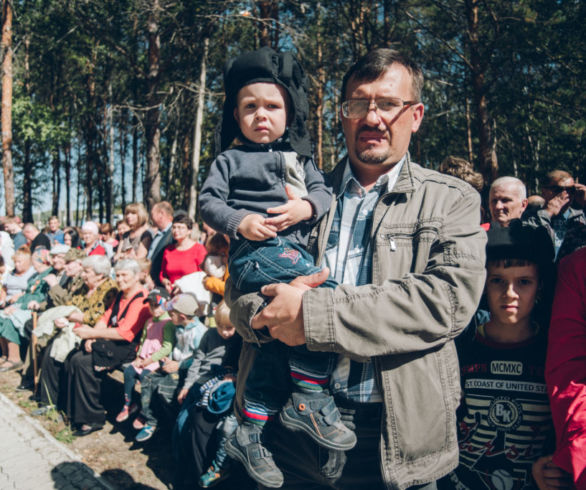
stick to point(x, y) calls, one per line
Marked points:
point(90, 234)
point(96, 295)
point(13, 318)
point(15, 283)
point(182, 257)
point(108, 344)
point(135, 243)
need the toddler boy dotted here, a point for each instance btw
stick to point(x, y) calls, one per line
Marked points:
point(266, 194)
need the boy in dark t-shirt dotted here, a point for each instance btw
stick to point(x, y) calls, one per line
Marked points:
point(504, 421)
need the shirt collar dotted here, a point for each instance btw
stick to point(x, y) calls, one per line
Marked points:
point(388, 179)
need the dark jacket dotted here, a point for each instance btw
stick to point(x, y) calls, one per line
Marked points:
point(157, 256)
point(427, 278)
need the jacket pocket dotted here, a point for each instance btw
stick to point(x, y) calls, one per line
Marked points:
point(417, 409)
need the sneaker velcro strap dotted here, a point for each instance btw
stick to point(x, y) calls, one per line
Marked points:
point(330, 412)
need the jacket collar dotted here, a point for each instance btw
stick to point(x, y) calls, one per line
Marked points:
point(342, 173)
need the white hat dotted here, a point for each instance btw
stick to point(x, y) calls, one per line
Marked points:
point(59, 249)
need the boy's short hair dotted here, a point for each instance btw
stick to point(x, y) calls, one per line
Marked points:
point(217, 243)
point(518, 245)
point(266, 66)
point(222, 315)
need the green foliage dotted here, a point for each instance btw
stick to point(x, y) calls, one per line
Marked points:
point(75, 60)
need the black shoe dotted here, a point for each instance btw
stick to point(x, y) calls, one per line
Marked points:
point(26, 385)
point(87, 429)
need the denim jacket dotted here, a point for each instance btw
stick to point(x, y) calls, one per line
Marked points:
point(428, 276)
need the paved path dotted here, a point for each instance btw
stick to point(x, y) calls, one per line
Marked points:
point(30, 458)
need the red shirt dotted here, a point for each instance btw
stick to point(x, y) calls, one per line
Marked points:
point(179, 263)
point(136, 316)
point(565, 371)
point(97, 250)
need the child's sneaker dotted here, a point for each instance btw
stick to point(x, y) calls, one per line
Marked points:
point(245, 446)
point(316, 414)
point(145, 433)
point(138, 423)
point(213, 476)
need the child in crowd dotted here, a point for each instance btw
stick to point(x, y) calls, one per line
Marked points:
point(158, 337)
point(504, 421)
point(189, 331)
point(214, 363)
point(271, 172)
point(215, 265)
point(145, 273)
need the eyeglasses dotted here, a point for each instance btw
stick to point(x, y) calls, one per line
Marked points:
point(386, 106)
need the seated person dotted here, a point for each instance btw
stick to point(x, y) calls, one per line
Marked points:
point(14, 317)
point(504, 418)
point(158, 338)
point(108, 344)
point(91, 301)
point(16, 281)
point(183, 310)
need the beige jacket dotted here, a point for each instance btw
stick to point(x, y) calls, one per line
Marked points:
point(428, 276)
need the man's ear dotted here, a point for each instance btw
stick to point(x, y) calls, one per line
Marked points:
point(418, 111)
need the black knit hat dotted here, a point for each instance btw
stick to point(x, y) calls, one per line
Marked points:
point(520, 241)
point(266, 65)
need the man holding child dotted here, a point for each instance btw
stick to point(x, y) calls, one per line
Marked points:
point(405, 245)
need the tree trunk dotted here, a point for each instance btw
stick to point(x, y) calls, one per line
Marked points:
point(134, 160)
point(122, 144)
point(6, 123)
point(152, 181)
point(56, 161)
point(487, 154)
point(110, 166)
point(197, 132)
point(68, 185)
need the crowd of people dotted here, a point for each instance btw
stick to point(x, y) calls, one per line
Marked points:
point(375, 327)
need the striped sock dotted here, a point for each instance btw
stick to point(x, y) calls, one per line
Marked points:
point(307, 382)
point(256, 413)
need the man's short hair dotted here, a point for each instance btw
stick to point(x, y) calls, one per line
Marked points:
point(376, 62)
point(555, 176)
point(507, 180)
point(165, 207)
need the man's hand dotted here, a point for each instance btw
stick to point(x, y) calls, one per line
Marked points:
point(549, 476)
point(290, 214)
point(253, 227)
point(555, 205)
point(33, 305)
point(284, 314)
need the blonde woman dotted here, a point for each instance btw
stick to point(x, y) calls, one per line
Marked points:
point(136, 242)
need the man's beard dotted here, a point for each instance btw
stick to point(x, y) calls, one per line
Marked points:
point(371, 155)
